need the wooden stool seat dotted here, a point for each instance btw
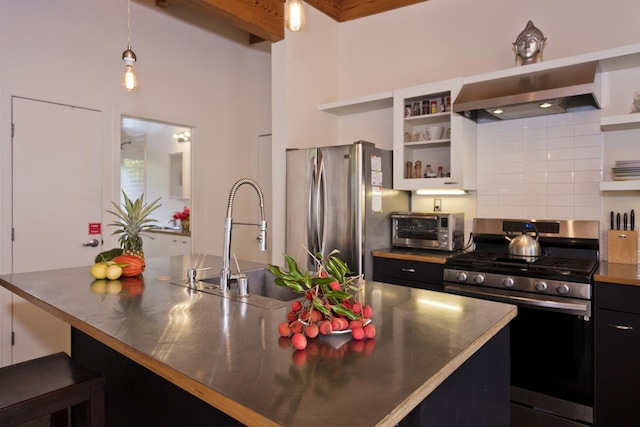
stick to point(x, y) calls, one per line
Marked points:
point(49, 385)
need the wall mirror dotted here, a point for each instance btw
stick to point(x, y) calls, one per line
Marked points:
point(155, 159)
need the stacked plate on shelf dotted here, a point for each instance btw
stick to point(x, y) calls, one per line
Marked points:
point(626, 170)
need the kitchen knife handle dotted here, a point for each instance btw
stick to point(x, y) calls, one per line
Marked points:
point(618, 221)
point(612, 223)
point(624, 221)
point(633, 220)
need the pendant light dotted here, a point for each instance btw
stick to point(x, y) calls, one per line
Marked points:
point(129, 79)
point(294, 15)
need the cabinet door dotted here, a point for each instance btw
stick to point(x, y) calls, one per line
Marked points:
point(415, 274)
point(617, 378)
point(453, 150)
point(165, 244)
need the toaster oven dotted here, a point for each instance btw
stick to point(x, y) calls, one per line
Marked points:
point(440, 231)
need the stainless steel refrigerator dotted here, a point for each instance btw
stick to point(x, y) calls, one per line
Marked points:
point(340, 197)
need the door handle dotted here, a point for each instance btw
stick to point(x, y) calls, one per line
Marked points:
point(93, 243)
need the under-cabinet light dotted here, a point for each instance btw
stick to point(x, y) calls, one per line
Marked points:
point(452, 192)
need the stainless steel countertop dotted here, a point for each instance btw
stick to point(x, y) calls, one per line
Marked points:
point(229, 354)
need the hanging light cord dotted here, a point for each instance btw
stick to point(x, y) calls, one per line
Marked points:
point(129, 24)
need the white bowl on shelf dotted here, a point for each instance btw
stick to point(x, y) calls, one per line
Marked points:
point(434, 132)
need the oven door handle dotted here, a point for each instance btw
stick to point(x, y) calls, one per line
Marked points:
point(579, 308)
point(621, 327)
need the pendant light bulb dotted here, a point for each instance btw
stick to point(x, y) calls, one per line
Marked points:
point(294, 15)
point(129, 79)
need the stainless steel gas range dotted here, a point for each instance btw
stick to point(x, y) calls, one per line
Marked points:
point(552, 336)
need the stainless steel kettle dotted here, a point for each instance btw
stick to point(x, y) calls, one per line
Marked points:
point(525, 245)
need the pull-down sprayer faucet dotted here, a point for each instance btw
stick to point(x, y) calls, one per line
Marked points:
point(225, 273)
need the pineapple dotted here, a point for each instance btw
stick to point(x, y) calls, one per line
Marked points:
point(133, 221)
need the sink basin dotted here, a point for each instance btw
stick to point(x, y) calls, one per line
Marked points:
point(263, 292)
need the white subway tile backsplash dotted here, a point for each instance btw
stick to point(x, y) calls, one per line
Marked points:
point(560, 131)
point(588, 176)
point(534, 133)
point(586, 129)
point(556, 120)
point(542, 167)
point(560, 189)
point(587, 201)
point(587, 165)
point(559, 177)
point(534, 122)
point(560, 212)
point(534, 177)
point(587, 116)
point(559, 143)
point(595, 140)
point(586, 188)
point(561, 153)
point(588, 152)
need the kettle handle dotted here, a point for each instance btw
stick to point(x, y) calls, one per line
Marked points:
point(529, 225)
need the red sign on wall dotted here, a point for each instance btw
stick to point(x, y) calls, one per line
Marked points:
point(95, 228)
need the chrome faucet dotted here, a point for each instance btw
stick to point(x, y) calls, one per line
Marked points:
point(225, 273)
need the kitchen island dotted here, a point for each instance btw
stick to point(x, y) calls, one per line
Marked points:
point(434, 354)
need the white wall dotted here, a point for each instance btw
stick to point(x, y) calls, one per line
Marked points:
point(200, 74)
point(425, 42)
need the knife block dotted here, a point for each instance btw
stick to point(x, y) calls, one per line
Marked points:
point(623, 246)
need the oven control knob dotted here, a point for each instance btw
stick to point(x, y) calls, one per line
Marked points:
point(540, 286)
point(462, 276)
point(478, 279)
point(508, 282)
point(563, 289)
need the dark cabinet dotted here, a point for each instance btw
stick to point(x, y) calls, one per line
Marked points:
point(415, 274)
point(617, 355)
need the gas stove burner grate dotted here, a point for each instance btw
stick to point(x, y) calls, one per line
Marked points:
point(541, 264)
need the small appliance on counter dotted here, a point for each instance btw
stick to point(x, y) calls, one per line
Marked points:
point(622, 240)
point(439, 231)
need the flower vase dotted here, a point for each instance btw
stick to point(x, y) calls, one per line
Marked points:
point(184, 223)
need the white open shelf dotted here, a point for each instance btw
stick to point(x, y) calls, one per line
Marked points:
point(362, 104)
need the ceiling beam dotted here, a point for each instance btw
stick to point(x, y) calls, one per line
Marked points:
point(262, 18)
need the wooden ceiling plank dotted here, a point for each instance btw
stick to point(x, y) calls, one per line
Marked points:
point(331, 8)
point(263, 18)
point(355, 9)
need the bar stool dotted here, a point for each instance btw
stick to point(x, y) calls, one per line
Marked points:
point(49, 385)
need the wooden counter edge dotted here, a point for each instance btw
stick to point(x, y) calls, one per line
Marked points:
point(620, 274)
point(410, 257)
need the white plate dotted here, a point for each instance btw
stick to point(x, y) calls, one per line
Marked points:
point(348, 331)
point(626, 178)
point(345, 331)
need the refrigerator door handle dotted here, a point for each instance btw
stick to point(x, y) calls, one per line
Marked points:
point(320, 191)
point(311, 209)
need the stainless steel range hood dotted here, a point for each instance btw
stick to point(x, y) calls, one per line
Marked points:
point(538, 93)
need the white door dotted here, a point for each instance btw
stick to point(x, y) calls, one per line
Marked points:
point(57, 170)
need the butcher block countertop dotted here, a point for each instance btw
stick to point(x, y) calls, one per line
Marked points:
point(228, 353)
point(435, 257)
point(621, 274)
